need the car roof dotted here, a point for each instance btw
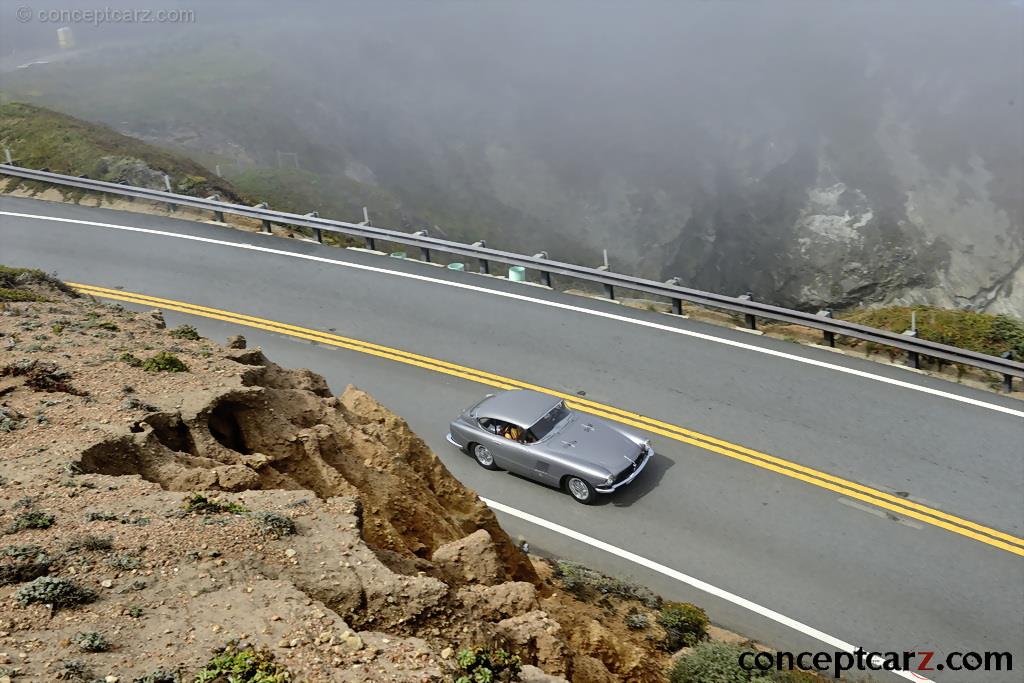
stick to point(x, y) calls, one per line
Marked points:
point(522, 407)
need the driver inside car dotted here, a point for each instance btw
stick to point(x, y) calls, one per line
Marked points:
point(513, 432)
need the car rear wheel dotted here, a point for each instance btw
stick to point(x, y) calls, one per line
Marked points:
point(580, 490)
point(483, 456)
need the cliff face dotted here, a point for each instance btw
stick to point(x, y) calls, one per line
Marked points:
point(233, 500)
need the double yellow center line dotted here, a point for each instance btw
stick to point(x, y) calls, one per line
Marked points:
point(845, 487)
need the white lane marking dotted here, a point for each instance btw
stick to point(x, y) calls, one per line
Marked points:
point(721, 593)
point(551, 304)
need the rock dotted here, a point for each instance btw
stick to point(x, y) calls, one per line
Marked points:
point(494, 603)
point(157, 317)
point(352, 641)
point(531, 674)
point(290, 552)
point(111, 679)
point(236, 341)
point(472, 559)
point(447, 653)
point(107, 583)
point(236, 478)
point(537, 638)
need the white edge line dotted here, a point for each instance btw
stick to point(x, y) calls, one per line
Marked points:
point(553, 304)
point(694, 582)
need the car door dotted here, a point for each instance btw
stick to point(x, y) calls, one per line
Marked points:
point(491, 431)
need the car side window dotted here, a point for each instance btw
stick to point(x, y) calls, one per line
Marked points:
point(492, 426)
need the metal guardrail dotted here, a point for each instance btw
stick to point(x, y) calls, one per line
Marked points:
point(751, 310)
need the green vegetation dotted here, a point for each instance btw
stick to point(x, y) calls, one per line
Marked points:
point(15, 284)
point(92, 641)
point(588, 584)
point(685, 625)
point(58, 592)
point(982, 332)
point(185, 332)
point(274, 524)
point(42, 138)
point(131, 359)
point(91, 543)
point(164, 362)
point(636, 621)
point(246, 665)
point(480, 665)
point(719, 663)
point(199, 504)
point(34, 519)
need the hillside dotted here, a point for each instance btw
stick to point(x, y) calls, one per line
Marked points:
point(41, 138)
point(165, 498)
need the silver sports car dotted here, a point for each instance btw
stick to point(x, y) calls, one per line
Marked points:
point(536, 436)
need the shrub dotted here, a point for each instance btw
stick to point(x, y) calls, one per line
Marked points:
point(90, 542)
point(164, 362)
point(135, 611)
point(161, 675)
point(35, 519)
point(58, 592)
point(275, 524)
point(199, 504)
point(73, 670)
point(100, 517)
point(125, 562)
point(585, 583)
point(185, 332)
point(479, 664)
point(685, 625)
point(245, 664)
point(92, 641)
point(636, 621)
point(131, 359)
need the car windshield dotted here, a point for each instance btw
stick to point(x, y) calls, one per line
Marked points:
point(547, 424)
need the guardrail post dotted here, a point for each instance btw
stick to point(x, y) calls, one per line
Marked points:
point(1007, 379)
point(217, 215)
point(317, 233)
point(830, 336)
point(913, 357)
point(424, 251)
point(265, 225)
point(677, 304)
point(609, 291)
point(545, 276)
point(750, 318)
point(485, 265)
point(167, 184)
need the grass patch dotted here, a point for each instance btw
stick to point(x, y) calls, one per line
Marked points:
point(21, 563)
point(274, 524)
point(981, 332)
point(92, 641)
point(164, 362)
point(185, 332)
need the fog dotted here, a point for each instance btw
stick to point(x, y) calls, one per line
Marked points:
point(814, 153)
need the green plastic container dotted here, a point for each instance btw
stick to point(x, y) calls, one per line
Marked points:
point(517, 274)
point(456, 266)
point(397, 254)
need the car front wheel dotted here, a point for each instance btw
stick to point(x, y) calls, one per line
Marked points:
point(580, 490)
point(484, 457)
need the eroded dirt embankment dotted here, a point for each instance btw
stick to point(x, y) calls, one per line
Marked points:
point(326, 531)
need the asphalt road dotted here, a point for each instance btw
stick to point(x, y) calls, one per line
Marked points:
point(880, 580)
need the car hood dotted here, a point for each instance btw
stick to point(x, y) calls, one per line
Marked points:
point(591, 440)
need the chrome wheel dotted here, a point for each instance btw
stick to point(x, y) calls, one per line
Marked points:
point(579, 489)
point(483, 456)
